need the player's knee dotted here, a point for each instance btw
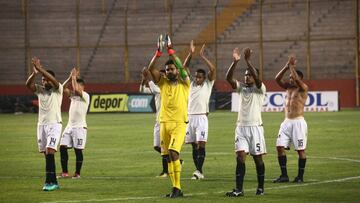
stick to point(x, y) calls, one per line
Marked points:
point(50, 151)
point(201, 144)
point(301, 154)
point(258, 160)
point(240, 157)
point(194, 145)
point(174, 155)
point(280, 150)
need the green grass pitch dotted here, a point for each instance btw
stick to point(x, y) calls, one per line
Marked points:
point(120, 164)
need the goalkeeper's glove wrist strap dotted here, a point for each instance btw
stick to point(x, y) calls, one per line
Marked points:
point(171, 51)
point(158, 53)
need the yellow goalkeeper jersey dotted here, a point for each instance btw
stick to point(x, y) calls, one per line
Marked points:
point(174, 100)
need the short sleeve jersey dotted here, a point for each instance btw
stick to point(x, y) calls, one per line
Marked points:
point(250, 104)
point(199, 97)
point(49, 104)
point(78, 109)
point(174, 100)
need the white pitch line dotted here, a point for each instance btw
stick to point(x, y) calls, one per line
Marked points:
point(199, 194)
point(104, 200)
point(315, 183)
point(336, 158)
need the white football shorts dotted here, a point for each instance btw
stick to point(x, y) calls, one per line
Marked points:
point(250, 139)
point(48, 136)
point(293, 131)
point(197, 129)
point(74, 137)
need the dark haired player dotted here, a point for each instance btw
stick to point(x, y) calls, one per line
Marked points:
point(198, 108)
point(294, 128)
point(49, 120)
point(75, 133)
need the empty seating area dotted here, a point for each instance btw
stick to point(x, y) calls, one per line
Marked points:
point(52, 34)
point(284, 33)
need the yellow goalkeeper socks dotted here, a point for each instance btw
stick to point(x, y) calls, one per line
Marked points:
point(171, 172)
point(177, 173)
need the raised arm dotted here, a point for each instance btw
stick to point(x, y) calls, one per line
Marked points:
point(153, 70)
point(145, 76)
point(189, 56)
point(177, 62)
point(30, 82)
point(230, 72)
point(279, 77)
point(65, 84)
point(74, 83)
point(47, 75)
point(144, 81)
point(211, 67)
point(253, 71)
point(297, 79)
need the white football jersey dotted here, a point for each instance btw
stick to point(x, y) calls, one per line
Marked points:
point(78, 109)
point(199, 97)
point(49, 104)
point(155, 90)
point(250, 104)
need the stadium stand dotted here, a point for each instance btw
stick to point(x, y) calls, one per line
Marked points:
point(52, 35)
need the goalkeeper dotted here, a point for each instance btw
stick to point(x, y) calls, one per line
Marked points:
point(174, 91)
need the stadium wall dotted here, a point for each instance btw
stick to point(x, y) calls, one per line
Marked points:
point(345, 87)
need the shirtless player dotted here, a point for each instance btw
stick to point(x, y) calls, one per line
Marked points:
point(294, 128)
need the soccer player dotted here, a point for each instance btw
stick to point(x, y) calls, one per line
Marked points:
point(75, 132)
point(174, 91)
point(294, 128)
point(198, 109)
point(249, 132)
point(49, 120)
point(148, 86)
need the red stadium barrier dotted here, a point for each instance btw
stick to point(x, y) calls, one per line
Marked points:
point(345, 87)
